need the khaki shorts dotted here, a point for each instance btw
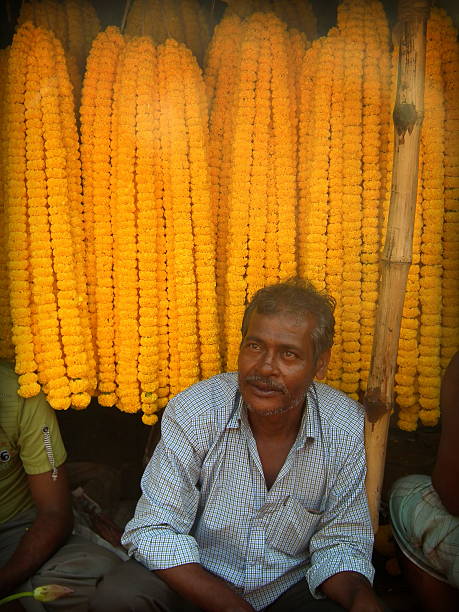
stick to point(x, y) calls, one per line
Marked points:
point(425, 532)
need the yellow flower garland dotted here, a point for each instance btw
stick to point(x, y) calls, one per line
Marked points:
point(6, 344)
point(123, 205)
point(334, 255)
point(238, 197)
point(374, 80)
point(450, 279)
point(16, 214)
point(196, 124)
point(284, 147)
point(95, 134)
point(432, 142)
point(220, 76)
point(315, 150)
point(351, 25)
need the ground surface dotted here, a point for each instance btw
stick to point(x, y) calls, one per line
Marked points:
point(106, 451)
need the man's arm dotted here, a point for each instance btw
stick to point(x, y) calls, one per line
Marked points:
point(445, 476)
point(158, 535)
point(51, 527)
point(341, 549)
point(204, 589)
point(352, 591)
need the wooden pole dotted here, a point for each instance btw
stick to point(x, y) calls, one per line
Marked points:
point(396, 258)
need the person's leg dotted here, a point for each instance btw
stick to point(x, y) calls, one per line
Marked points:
point(11, 533)
point(299, 598)
point(79, 565)
point(131, 587)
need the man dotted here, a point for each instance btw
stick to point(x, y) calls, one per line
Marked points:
point(425, 512)
point(36, 518)
point(254, 497)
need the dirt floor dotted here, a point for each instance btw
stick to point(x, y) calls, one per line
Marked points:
point(106, 453)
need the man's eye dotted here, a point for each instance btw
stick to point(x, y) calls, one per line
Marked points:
point(253, 345)
point(289, 355)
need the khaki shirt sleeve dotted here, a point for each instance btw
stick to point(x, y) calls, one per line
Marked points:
point(36, 414)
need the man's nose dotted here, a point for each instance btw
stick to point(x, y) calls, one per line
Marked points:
point(268, 363)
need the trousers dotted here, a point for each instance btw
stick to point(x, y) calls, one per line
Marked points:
point(79, 564)
point(131, 587)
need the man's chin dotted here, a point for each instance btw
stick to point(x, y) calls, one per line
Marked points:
point(267, 411)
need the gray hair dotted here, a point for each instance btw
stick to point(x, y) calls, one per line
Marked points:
point(298, 297)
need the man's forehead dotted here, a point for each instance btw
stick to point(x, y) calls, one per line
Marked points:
point(298, 319)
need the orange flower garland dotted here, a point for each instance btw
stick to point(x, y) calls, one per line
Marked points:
point(238, 197)
point(350, 23)
point(60, 185)
point(182, 283)
point(6, 345)
point(450, 279)
point(314, 200)
point(284, 147)
point(334, 254)
point(220, 76)
point(123, 205)
point(196, 125)
point(16, 215)
point(95, 149)
point(256, 235)
point(147, 167)
point(432, 142)
point(373, 83)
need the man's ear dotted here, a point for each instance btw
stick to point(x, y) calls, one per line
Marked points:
point(322, 364)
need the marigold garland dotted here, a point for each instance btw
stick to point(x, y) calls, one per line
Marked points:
point(16, 214)
point(315, 151)
point(374, 81)
point(220, 77)
point(238, 197)
point(95, 153)
point(123, 206)
point(6, 345)
point(351, 25)
point(450, 279)
point(284, 137)
point(432, 143)
point(196, 124)
point(334, 254)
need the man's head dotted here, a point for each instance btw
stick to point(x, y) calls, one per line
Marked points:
point(287, 334)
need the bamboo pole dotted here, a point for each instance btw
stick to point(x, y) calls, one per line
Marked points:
point(396, 258)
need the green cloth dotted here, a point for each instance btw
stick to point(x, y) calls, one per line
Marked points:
point(22, 449)
point(425, 532)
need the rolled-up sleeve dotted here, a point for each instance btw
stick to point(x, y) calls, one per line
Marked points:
point(344, 541)
point(158, 534)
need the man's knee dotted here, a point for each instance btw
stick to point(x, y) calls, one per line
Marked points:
point(129, 587)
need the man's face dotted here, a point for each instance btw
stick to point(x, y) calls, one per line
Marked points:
point(275, 366)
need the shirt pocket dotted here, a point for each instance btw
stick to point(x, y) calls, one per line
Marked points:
point(290, 526)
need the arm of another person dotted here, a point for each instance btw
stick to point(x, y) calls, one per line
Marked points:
point(51, 527)
point(159, 537)
point(445, 476)
point(341, 549)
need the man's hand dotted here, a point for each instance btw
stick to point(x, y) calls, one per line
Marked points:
point(352, 591)
point(51, 527)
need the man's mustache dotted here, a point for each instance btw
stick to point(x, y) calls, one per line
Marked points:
point(267, 382)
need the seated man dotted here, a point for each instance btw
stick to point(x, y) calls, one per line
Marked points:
point(425, 512)
point(36, 546)
point(254, 497)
